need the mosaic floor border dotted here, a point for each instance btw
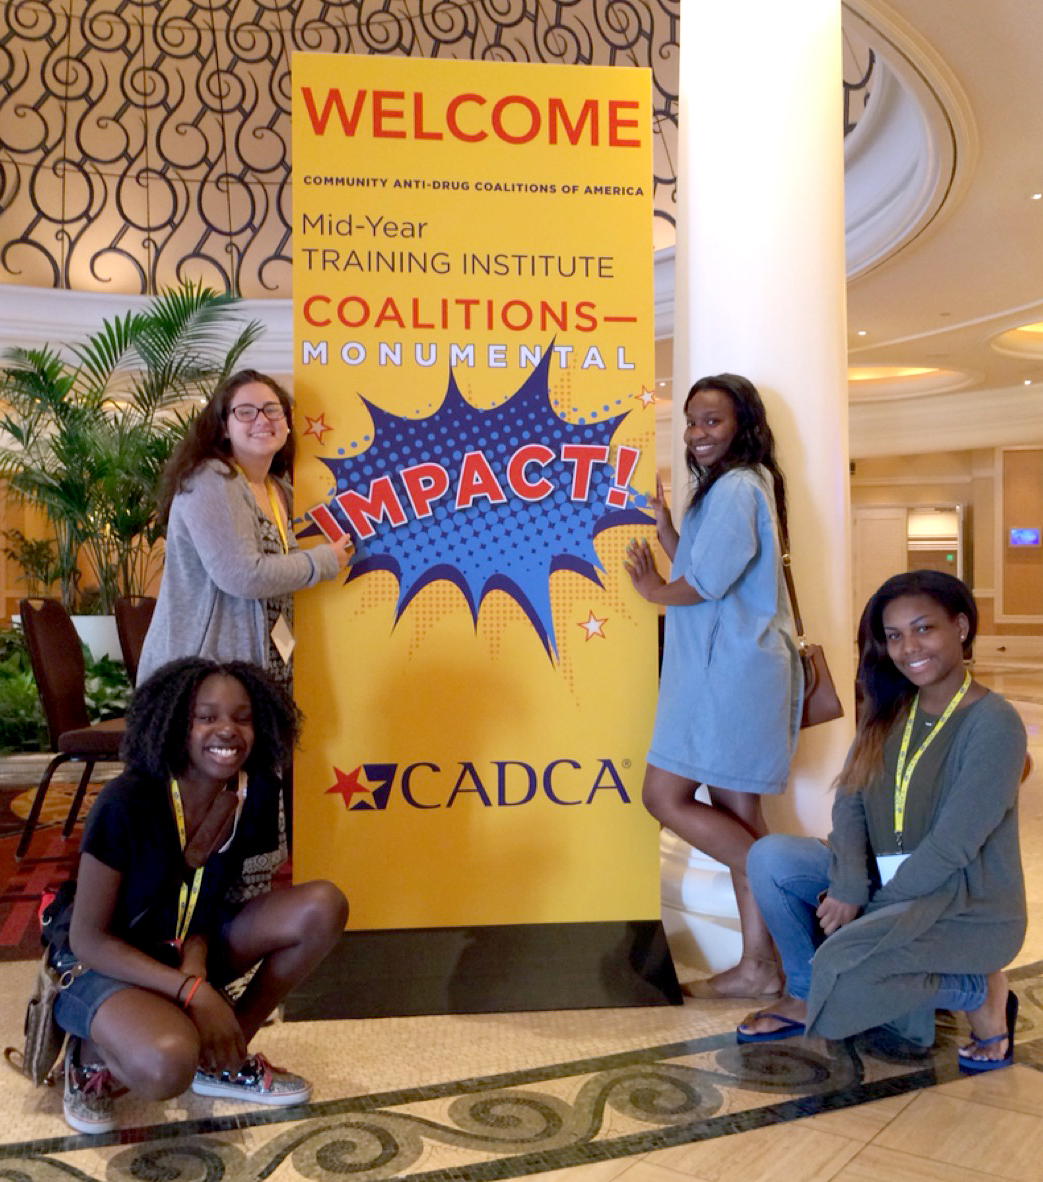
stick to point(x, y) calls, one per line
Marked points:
point(528, 1121)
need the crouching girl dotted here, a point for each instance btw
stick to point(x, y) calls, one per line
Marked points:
point(161, 919)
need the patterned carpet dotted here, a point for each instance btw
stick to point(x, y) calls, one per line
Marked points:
point(50, 861)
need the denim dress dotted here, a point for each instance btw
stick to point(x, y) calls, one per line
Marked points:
point(731, 688)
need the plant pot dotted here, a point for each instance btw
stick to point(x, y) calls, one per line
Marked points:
point(99, 634)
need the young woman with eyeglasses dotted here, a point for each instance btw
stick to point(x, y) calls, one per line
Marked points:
point(232, 562)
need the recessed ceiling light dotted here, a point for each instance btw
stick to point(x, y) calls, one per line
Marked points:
point(1028, 382)
point(861, 332)
point(1037, 196)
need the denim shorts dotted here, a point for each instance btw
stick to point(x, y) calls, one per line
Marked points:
point(76, 1005)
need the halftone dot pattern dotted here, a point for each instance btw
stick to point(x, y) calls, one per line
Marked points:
point(499, 612)
point(370, 597)
point(510, 545)
point(434, 603)
point(566, 604)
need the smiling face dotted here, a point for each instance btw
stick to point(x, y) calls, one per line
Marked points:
point(262, 439)
point(926, 645)
point(221, 732)
point(712, 425)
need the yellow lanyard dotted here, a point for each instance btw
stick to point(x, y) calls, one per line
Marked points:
point(903, 774)
point(273, 500)
point(187, 899)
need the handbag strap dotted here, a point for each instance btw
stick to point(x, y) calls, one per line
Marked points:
point(787, 573)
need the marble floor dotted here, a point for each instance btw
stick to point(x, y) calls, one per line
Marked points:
point(656, 1095)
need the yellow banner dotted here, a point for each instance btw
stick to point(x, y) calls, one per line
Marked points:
point(473, 379)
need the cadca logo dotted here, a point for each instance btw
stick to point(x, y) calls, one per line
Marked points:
point(500, 783)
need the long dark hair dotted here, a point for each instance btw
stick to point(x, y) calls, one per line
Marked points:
point(160, 715)
point(885, 693)
point(207, 439)
point(753, 443)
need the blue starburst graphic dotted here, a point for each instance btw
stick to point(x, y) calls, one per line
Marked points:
point(489, 500)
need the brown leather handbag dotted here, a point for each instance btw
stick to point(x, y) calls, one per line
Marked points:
point(821, 701)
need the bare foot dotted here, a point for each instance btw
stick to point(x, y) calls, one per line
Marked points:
point(753, 977)
point(779, 1018)
point(989, 1023)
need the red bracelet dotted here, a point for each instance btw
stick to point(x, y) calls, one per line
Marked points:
point(192, 992)
point(181, 987)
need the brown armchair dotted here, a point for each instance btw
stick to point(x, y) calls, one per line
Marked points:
point(133, 616)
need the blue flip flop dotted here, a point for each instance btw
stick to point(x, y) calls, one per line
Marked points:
point(976, 1066)
point(788, 1029)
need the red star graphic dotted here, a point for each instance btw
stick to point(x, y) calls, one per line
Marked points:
point(647, 398)
point(317, 427)
point(347, 785)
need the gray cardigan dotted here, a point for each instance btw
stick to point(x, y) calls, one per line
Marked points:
point(956, 905)
point(216, 575)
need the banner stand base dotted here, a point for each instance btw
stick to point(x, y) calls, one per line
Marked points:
point(564, 966)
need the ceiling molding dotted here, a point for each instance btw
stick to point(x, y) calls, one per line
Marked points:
point(964, 419)
point(917, 156)
point(28, 318)
point(897, 387)
point(915, 480)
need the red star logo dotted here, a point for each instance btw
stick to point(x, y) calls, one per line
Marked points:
point(317, 427)
point(348, 786)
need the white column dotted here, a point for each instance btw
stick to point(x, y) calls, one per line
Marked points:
point(761, 292)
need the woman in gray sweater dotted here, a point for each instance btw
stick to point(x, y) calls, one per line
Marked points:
point(918, 901)
point(232, 562)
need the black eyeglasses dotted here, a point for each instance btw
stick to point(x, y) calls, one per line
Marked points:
point(246, 412)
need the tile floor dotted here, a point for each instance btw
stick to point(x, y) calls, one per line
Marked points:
point(657, 1095)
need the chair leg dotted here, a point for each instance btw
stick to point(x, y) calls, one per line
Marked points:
point(77, 800)
point(34, 811)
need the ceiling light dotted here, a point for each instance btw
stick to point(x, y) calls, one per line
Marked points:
point(1028, 382)
point(876, 373)
point(1037, 196)
point(861, 332)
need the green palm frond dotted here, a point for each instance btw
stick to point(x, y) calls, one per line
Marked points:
point(84, 435)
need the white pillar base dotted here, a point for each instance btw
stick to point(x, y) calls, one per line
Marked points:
point(700, 917)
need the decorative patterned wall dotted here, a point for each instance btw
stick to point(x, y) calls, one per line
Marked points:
point(145, 142)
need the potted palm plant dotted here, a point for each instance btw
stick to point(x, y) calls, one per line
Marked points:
point(87, 428)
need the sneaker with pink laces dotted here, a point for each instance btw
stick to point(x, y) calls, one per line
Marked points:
point(90, 1090)
point(256, 1082)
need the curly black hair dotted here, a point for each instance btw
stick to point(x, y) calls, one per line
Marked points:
point(160, 717)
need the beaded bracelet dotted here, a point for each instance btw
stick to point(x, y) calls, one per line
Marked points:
point(192, 992)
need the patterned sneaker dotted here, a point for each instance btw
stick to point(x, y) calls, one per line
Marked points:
point(89, 1091)
point(257, 1082)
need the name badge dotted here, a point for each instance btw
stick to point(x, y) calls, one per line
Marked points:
point(887, 864)
point(283, 639)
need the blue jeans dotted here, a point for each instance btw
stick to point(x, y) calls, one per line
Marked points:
point(787, 875)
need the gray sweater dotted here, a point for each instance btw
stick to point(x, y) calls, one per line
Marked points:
point(216, 575)
point(956, 904)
